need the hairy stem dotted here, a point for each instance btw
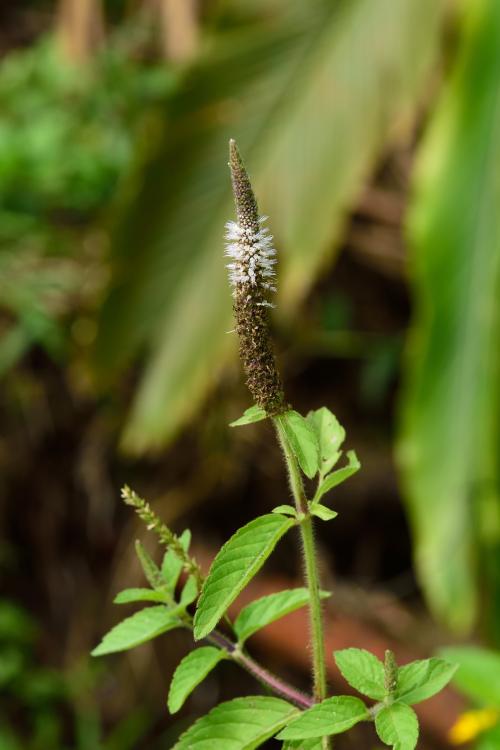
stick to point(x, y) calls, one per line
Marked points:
point(311, 569)
point(264, 676)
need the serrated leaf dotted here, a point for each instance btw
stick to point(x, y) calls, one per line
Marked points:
point(397, 725)
point(150, 568)
point(269, 608)
point(234, 566)
point(253, 414)
point(330, 434)
point(478, 674)
point(171, 566)
point(331, 716)
point(312, 744)
point(189, 592)
point(362, 670)
point(338, 476)
point(240, 724)
point(141, 627)
point(191, 671)
point(322, 512)
point(302, 440)
point(128, 596)
point(421, 679)
point(285, 510)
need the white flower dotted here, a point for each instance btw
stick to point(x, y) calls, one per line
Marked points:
point(253, 259)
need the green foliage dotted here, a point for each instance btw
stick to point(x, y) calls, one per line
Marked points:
point(363, 671)
point(171, 566)
point(321, 511)
point(240, 724)
point(302, 440)
point(50, 192)
point(168, 291)
point(423, 679)
point(191, 671)
point(330, 434)
point(449, 440)
point(339, 476)
point(141, 627)
point(332, 716)
point(235, 565)
point(397, 726)
point(314, 744)
point(269, 608)
point(477, 675)
point(150, 569)
point(130, 596)
point(253, 414)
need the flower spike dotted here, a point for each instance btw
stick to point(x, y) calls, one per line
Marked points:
point(251, 274)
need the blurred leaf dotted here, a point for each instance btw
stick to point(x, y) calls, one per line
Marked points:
point(191, 671)
point(235, 565)
point(477, 675)
point(449, 444)
point(305, 96)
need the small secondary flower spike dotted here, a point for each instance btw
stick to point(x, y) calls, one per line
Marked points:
point(251, 273)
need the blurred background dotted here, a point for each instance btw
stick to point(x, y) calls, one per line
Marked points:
point(372, 133)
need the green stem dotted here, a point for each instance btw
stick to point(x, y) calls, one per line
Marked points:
point(311, 568)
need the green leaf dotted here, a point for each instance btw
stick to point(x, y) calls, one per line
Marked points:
point(362, 670)
point(253, 414)
point(285, 510)
point(143, 626)
point(169, 295)
point(269, 608)
point(303, 441)
point(191, 671)
point(235, 565)
point(330, 434)
point(149, 567)
point(313, 744)
point(338, 476)
point(189, 592)
point(129, 596)
point(331, 716)
point(321, 511)
point(448, 447)
point(171, 566)
point(240, 724)
point(397, 725)
point(422, 679)
point(477, 675)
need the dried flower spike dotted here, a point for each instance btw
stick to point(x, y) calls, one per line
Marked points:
point(251, 273)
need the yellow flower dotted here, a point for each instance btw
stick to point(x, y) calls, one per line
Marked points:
point(471, 723)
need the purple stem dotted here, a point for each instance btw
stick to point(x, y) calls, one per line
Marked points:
point(277, 685)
